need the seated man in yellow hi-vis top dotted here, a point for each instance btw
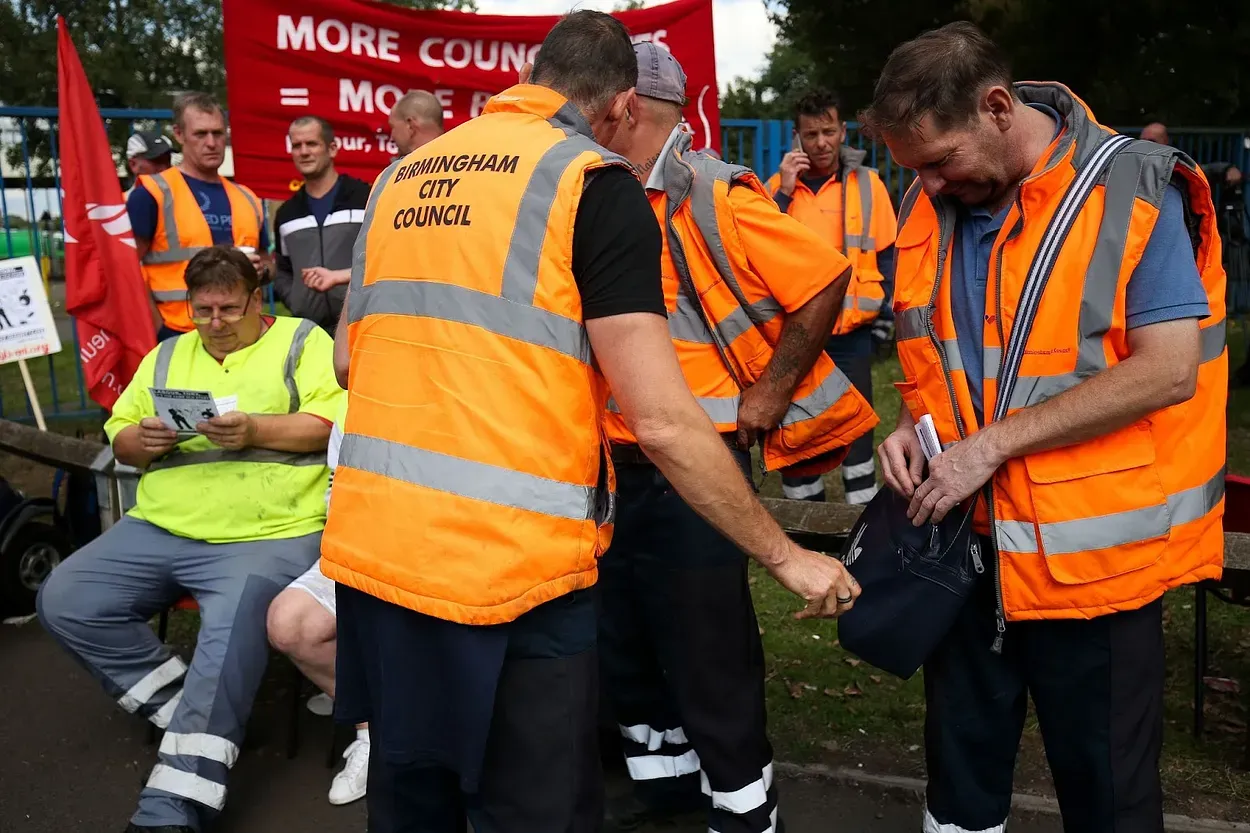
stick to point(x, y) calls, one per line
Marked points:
point(230, 516)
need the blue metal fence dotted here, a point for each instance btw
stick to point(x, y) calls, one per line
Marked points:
point(33, 171)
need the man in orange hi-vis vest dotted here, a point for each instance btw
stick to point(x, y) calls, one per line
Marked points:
point(507, 273)
point(751, 296)
point(1059, 302)
point(182, 210)
point(825, 184)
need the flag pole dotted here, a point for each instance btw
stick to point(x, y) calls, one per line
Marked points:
point(30, 392)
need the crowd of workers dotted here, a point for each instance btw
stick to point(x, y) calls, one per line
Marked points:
point(523, 463)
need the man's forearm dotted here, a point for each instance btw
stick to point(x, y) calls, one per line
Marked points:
point(1115, 398)
point(698, 464)
point(300, 433)
point(803, 337)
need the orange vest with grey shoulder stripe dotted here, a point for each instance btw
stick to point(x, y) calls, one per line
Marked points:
point(1112, 523)
point(726, 331)
point(181, 231)
point(473, 482)
point(866, 292)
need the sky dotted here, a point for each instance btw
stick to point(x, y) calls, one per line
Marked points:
point(743, 31)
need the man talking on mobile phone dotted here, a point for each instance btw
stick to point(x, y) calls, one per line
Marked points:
point(825, 186)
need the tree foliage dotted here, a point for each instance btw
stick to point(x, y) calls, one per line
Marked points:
point(1130, 61)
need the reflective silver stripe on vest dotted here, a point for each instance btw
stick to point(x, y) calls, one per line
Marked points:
point(449, 302)
point(167, 296)
point(468, 478)
point(1117, 529)
point(246, 455)
point(686, 323)
point(1214, 340)
point(164, 355)
point(864, 241)
point(912, 322)
point(722, 410)
point(826, 394)
point(292, 359)
point(356, 285)
point(260, 219)
point(861, 303)
point(172, 256)
point(173, 241)
point(520, 269)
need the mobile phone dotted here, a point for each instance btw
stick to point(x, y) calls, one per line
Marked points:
point(795, 144)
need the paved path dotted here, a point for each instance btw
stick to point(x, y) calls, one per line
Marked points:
point(71, 762)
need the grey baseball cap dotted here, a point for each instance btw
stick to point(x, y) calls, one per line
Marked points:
point(659, 74)
point(148, 144)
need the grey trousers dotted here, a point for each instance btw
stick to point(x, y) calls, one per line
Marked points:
point(97, 604)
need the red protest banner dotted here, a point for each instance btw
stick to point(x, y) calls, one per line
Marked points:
point(349, 61)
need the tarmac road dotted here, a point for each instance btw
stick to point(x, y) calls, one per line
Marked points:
point(72, 762)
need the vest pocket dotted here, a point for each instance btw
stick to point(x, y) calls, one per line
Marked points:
point(1100, 507)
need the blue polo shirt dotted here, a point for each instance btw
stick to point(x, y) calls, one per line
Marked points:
point(1165, 286)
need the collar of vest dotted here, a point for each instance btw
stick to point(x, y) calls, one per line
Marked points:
point(682, 166)
point(850, 158)
point(543, 102)
point(1080, 137)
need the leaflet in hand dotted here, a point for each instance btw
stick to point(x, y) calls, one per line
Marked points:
point(182, 410)
point(929, 442)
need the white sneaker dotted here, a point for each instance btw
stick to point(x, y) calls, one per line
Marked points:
point(350, 784)
point(321, 704)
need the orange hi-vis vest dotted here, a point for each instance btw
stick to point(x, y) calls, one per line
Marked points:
point(854, 192)
point(726, 338)
point(181, 231)
point(1108, 524)
point(473, 481)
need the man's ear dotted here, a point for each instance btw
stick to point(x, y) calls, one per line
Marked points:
point(523, 77)
point(623, 104)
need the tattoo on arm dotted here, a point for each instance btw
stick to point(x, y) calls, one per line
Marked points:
point(794, 349)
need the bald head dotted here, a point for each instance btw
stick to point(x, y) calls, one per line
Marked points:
point(1155, 132)
point(415, 119)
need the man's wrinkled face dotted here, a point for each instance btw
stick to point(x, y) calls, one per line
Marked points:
point(203, 138)
point(820, 137)
point(966, 163)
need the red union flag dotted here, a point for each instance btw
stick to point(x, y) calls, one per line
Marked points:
point(349, 61)
point(104, 288)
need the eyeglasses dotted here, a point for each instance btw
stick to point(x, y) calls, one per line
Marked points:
point(206, 316)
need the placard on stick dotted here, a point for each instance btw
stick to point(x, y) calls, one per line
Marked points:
point(27, 329)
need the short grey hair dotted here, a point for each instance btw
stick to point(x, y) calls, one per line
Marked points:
point(327, 129)
point(204, 102)
point(420, 105)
